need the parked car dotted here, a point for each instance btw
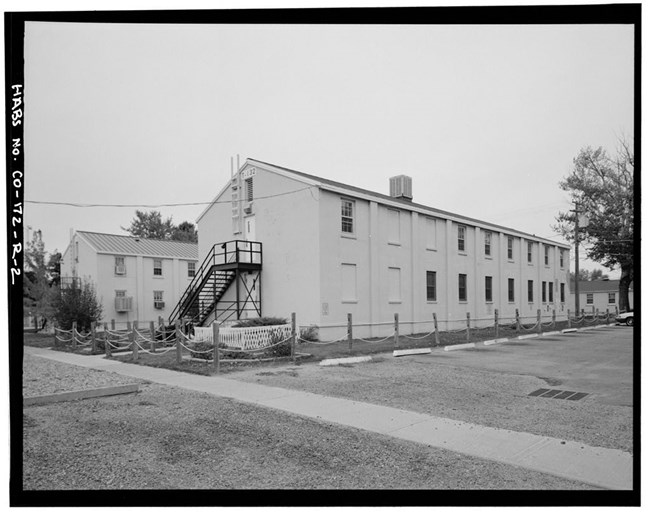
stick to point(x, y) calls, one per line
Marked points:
point(626, 318)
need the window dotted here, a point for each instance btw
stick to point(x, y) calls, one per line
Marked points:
point(191, 269)
point(249, 189)
point(550, 291)
point(158, 300)
point(546, 254)
point(531, 295)
point(611, 298)
point(157, 267)
point(530, 252)
point(511, 290)
point(347, 216)
point(393, 226)
point(431, 233)
point(120, 293)
point(543, 291)
point(510, 245)
point(431, 286)
point(590, 298)
point(462, 287)
point(120, 267)
point(488, 288)
point(461, 238)
point(348, 282)
point(561, 259)
point(561, 292)
point(488, 243)
point(394, 285)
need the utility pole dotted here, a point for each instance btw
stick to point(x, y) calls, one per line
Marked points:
point(576, 286)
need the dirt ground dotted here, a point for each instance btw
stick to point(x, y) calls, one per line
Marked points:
point(491, 385)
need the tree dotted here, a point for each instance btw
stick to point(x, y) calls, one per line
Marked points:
point(77, 304)
point(54, 268)
point(37, 289)
point(185, 231)
point(597, 275)
point(603, 188)
point(152, 225)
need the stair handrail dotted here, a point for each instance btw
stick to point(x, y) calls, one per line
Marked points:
point(209, 262)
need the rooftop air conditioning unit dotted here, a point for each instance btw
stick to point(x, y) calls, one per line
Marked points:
point(401, 187)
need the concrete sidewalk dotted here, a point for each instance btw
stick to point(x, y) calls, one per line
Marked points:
point(604, 468)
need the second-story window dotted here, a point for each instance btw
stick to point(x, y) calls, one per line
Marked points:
point(157, 267)
point(191, 269)
point(461, 238)
point(347, 216)
point(561, 259)
point(488, 243)
point(546, 254)
point(530, 252)
point(120, 267)
point(510, 246)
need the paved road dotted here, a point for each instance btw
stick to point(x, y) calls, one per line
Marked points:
point(598, 362)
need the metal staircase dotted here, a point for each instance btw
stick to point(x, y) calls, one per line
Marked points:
point(222, 268)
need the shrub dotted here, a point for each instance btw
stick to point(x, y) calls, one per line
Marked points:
point(261, 321)
point(309, 334)
point(77, 304)
point(201, 347)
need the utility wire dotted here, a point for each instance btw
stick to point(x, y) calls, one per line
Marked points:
point(76, 204)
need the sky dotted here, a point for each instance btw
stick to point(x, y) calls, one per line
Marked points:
point(485, 119)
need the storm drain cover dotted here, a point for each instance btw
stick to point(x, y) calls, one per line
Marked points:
point(558, 394)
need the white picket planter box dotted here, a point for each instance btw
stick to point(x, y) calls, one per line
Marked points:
point(247, 338)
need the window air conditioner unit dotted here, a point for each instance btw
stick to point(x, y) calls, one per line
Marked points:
point(248, 208)
point(120, 270)
point(159, 304)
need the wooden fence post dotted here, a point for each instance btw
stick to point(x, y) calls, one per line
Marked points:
point(179, 350)
point(568, 317)
point(93, 335)
point(112, 324)
point(215, 350)
point(468, 324)
point(396, 332)
point(517, 321)
point(350, 332)
point(134, 343)
point(107, 343)
point(153, 337)
point(293, 338)
point(55, 340)
point(435, 330)
point(539, 321)
point(496, 323)
point(607, 316)
point(74, 333)
point(553, 319)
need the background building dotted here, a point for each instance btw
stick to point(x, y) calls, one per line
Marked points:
point(135, 278)
point(330, 249)
point(600, 295)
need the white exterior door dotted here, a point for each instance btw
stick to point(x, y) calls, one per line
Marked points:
point(249, 228)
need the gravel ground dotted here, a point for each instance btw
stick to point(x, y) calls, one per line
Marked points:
point(44, 377)
point(168, 438)
point(425, 385)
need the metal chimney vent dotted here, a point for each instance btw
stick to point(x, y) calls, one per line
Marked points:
point(401, 187)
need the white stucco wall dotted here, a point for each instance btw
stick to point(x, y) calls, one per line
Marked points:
point(286, 223)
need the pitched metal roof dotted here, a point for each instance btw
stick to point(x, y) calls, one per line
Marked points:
point(597, 286)
point(129, 245)
point(407, 204)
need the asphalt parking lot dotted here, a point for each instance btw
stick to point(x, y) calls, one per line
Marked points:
point(597, 361)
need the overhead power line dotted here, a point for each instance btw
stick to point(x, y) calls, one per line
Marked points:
point(174, 204)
